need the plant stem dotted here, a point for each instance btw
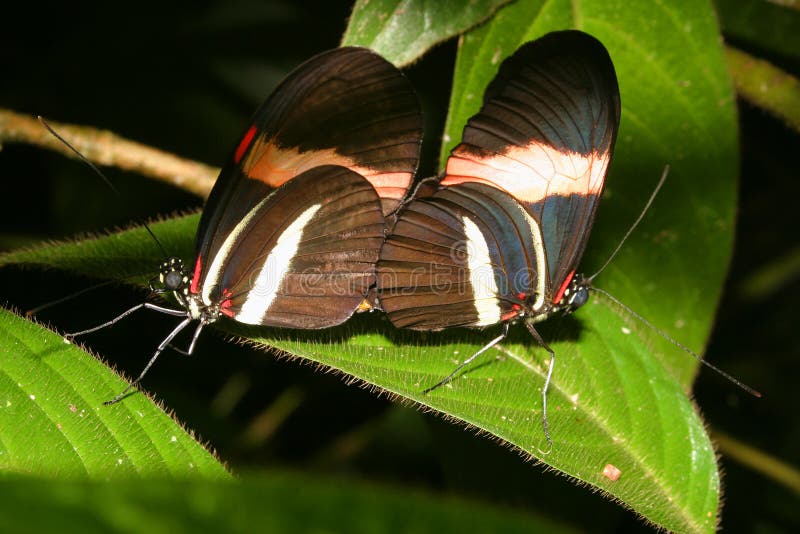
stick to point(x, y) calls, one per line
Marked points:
point(769, 466)
point(103, 147)
point(765, 86)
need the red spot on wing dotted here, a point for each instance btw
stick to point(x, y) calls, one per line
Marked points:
point(198, 266)
point(563, 287)
point(244, 144)
point(508, 316)
point(225, 306)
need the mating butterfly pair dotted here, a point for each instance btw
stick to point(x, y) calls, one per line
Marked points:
point(317, 209)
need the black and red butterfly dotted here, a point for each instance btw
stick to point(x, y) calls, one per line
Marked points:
point(499, 237)
point(292, 230)
point(295, 227)
point(312, 217)
point(340, 139)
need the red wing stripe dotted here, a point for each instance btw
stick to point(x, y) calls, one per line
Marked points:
point(244, 144)
point(198, 267)
point(563, 287)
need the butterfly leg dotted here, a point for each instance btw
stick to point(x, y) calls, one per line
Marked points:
point(150, 363)
point(546, 347)
point(115, 320)
point(469, 360)
point(190, 350)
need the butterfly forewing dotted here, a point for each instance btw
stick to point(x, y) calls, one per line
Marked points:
point(347, 107)
point(545, 135)
point(304, 257)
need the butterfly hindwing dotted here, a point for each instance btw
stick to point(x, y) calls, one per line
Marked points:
point(304, 257)
point(460, 257)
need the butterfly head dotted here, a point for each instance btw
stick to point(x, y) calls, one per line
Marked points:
point(173, 276)
point(575, 295)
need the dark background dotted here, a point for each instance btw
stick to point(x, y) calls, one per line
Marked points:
point(185, 77)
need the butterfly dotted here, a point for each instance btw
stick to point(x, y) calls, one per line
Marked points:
point(291, 233)
point(497, 239)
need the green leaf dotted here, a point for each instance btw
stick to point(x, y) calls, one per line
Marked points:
point(53, 421)
point(130, 254)
point(678, 109)
point(611, 401)
point(619, 391)
point(274, 502)
point(769, 26)
point(403, 30)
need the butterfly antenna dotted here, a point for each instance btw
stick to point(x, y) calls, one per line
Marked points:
point(675, 342)
point(635, 223)
point(99, 173)
point(33, 311)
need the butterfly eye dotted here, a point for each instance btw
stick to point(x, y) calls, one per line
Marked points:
point(579, 298)
point(173, 280)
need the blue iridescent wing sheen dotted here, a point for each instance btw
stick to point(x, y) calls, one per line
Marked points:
point(545, 135)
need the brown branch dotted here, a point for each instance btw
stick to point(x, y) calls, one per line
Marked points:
point(103, 147)
point(765, 86)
